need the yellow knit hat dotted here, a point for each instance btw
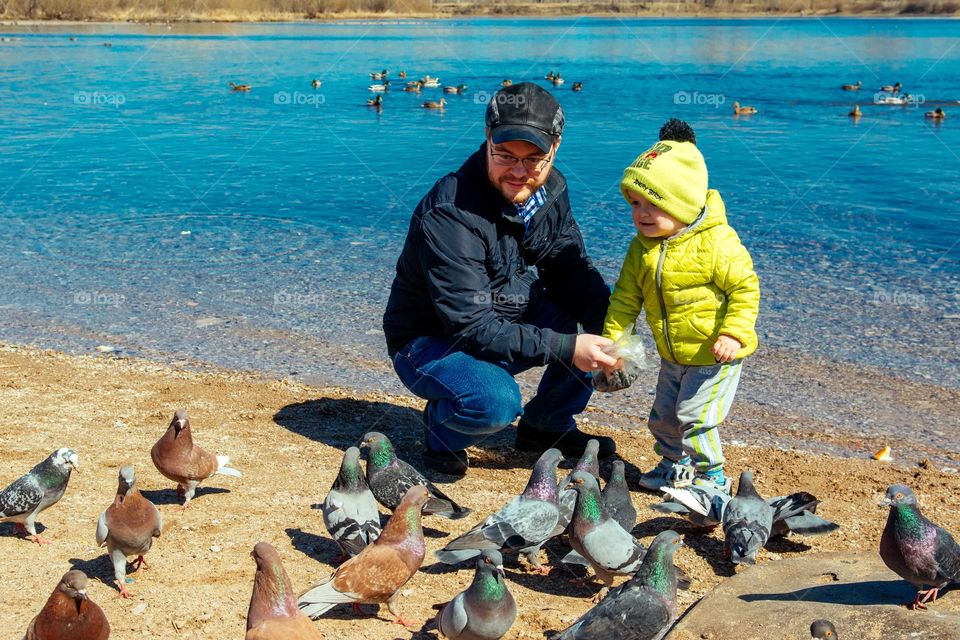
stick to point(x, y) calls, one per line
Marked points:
point(671, 174)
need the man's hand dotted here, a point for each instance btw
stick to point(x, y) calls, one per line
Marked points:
point(725, 349)
point(588, 354)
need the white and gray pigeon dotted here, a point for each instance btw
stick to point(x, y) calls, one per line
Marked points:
point(485, 610)
point(918, 550)
point(704, 506)
point(40, 488)
point(616, 497)
point(609, 548)
point(350, 511)
point(390, 477)
point(524, 522)
point(643, 608)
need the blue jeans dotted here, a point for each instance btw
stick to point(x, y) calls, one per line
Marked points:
point(469, 398)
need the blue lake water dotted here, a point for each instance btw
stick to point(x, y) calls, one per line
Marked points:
point(148, 207)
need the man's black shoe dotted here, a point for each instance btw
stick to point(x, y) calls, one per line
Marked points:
point(454, 463)
point(571, 443)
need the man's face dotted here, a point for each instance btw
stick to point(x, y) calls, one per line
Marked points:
point(508, 171)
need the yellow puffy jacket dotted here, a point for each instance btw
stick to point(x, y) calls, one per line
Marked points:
point(693, 286)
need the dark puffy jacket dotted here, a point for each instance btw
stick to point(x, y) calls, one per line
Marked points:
point(468, 270)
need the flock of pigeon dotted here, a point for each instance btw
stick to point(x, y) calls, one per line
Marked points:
point(378, 562)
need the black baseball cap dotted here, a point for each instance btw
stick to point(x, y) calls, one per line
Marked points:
point(527, 112)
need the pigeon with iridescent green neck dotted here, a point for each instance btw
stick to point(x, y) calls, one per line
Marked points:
point(486, 610)
point(377, 574)
point(616, 498)
point(350, 510)
point(40, 488)
point(643, 608)
point(916, 549)
point(390, 477)
point(589, 463)
point(523, 523)
point(608, 547)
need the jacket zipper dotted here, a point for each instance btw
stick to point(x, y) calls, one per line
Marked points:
point(663, 305)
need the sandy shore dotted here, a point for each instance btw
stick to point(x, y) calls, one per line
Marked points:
point(287, 438)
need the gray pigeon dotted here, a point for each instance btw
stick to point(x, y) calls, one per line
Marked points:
point(823, 630)
point(485, 610)
point(524, 522)
point(616, 498)
point(706, 507)
point(350, 510)
point(566, 500)
point(747, 522)
point(643, 608)
point(919, 551)
point(608, 547)
point(41, 487)
point(389, 478)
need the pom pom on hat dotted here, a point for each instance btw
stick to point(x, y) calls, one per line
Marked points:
point(678, 130)
point(671, 174)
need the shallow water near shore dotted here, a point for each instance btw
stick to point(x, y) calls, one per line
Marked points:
point(150, 208)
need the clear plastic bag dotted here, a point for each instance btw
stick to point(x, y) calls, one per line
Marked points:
point(633, 359)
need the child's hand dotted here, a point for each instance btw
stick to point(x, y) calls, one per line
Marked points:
point(725, 349)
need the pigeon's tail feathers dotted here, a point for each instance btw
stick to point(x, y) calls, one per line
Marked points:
point(440, 505)
point(317, 601)
point(224, 470)
point(575, 558)
point(687, 499)
point(455, 556)
point(809, 524)
point(793, 504)
point(670, 507)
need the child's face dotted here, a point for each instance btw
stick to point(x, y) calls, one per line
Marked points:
point(650, 220)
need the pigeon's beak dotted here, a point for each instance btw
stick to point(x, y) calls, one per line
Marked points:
point(885, 502)
point(179, 425)
point(76, 465)
point(82, 594)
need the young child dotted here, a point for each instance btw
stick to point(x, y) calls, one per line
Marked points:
point(687, 269)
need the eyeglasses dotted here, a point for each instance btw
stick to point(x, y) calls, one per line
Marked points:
point(533, 164)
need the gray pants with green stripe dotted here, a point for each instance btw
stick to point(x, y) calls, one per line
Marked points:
point(691, 403)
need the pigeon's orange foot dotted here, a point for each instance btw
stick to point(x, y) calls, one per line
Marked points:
point(123, 591)
point(404, 622)
point(38, 539)
point(140, 561)
point(930, 595)
point(540, 569)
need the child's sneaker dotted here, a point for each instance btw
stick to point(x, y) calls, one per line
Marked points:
point(668, 474)
point(716, 480)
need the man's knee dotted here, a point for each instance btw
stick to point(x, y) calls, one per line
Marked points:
point(492, 408)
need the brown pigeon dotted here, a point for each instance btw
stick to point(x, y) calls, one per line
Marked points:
point(128, 527)
point(377, 573)
point(69, 614)
point(273, 613)
point(178, 459)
